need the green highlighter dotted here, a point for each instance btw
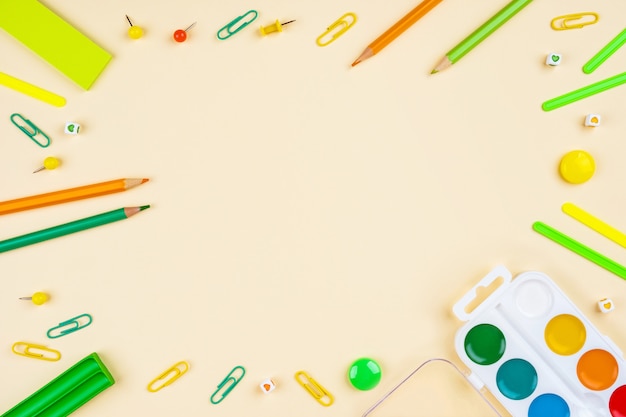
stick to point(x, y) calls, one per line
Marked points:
point(53, 39)
point(67, 392)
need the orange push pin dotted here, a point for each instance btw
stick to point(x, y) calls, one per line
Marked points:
point(276, 27)
point(37, 298)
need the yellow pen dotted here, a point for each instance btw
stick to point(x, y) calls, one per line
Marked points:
point(31, 90)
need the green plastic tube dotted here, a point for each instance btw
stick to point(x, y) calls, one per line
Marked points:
point(584, 92)
point(604, 53)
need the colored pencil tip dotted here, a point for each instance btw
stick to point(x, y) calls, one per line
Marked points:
point(144, 180)
point(141, 208)
point(434, 71)
point(356, 62)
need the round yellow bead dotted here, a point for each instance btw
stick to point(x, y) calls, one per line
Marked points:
point(135, 32)
point(39, 298)
point(577, 167)
point(51, 162)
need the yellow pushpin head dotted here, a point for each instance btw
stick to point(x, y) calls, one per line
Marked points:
point(134, 32)
point(275, 27)
point(577, 167)
point(49, 163)
point(37, 298)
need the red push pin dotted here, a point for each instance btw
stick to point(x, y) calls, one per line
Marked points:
point(181, 35)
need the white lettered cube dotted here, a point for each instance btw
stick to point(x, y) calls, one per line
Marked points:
point(592, 120)
point(267, 386)
point(553, 59)
point(72, 128)
point(605, 305)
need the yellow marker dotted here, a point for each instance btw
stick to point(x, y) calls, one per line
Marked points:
point(31, 90)
point(33, 351)
point(169, 376)
point(317, 391)
point(594, 223)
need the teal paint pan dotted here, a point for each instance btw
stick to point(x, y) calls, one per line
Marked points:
point(67, 392)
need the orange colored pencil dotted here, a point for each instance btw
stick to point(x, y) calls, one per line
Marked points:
point(70, 194)
point(397, 29)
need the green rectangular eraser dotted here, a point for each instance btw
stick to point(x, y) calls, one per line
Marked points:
point(53, 39)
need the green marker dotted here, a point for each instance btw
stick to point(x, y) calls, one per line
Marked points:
point(605, 53)
point(584, 92)
point(68, 228)
point(582, 250)
point(480, 34)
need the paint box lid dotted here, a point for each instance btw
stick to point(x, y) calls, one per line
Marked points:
point(536, 352)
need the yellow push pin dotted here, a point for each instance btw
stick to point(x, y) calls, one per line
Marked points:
point(276, 27)
point(49, 163)
point(134, 32)
point(37, 298)
point(577, 167)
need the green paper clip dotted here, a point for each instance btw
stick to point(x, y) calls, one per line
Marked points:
point(67, 392)
point(75, 322)
point(229, 27)
point(30, 130)
point(229, 378)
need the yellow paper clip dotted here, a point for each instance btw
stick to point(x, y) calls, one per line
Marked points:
point(342, 25)
point(169, 376)
point(563, 22)
point(233, 380)
point(315, 389)
point(40, 352)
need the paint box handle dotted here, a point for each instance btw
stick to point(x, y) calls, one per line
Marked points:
point(466, 307)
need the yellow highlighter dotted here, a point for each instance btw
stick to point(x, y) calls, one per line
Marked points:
point(31, 90)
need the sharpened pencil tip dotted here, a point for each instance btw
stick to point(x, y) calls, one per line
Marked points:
point(144, 180)
point(141, 208)
point(356, 62)
point(434, 71)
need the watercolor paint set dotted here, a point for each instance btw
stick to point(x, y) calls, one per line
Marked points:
point(535, 351)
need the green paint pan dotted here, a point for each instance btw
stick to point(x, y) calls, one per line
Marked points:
point(67, 392)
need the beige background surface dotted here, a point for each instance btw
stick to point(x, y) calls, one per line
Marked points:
point(304, 213)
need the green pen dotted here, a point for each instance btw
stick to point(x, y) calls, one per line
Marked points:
point(582, 250)
point(584, 92)
point(605, 53)
point(480, 34)
point(68, 228)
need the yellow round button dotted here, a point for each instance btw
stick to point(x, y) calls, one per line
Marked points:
point(577, 167)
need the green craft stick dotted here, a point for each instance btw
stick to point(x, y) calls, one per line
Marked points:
point(582, 250)
point(53, 39)
point(584, 92)
point(481, 33)
point(605, 53)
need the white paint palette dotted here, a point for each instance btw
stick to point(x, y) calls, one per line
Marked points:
point(536, 352)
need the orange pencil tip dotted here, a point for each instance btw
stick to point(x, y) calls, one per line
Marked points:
point(356, 62)
point(144, 180)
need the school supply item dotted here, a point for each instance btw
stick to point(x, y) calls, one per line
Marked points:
point(318, 392)
point(180, 35)
point(237, 24)
point(70, 194)
point(580, 20)
point(169, 376)
point(275, 27)
point(67, 392)
point(31, 350)
point(49, 163)
point(37, 298)
point(68, 228)
point(604, 53)
point(396, 30)
point(31, 130)
point(134, 31)
point(55, 40)
point(70, 326)
point(480, 34)
point(594, 223)
point(31, 90)
point(338, 28)
point(584, 92)
point(228, 383)
point(580, 249)
point(535, 351)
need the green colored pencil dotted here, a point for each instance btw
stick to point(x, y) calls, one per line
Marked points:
point(582, 250)
point(605, 53)
point(68, 228)
point(480, 34)
point(584, 92)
